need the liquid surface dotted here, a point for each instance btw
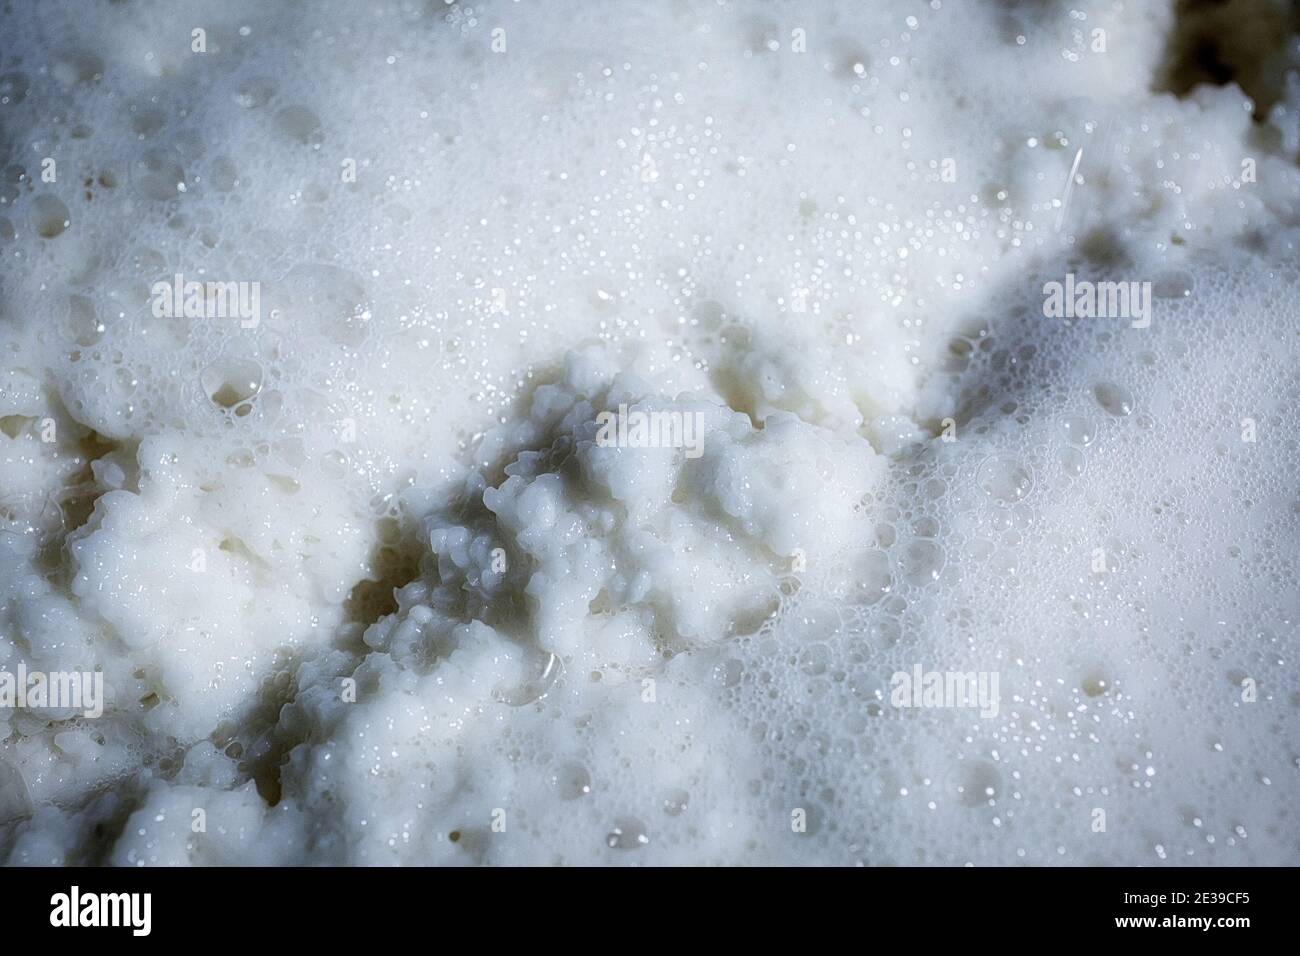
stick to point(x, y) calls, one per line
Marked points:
point(367, 584)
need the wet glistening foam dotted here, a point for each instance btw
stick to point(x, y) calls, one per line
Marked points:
point(556, 433)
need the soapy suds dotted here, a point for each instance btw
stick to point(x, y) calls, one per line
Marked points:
point(366, 586)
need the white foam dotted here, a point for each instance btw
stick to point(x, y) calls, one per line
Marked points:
point(824, 229)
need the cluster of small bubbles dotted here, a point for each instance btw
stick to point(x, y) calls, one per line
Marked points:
point(1092, 593)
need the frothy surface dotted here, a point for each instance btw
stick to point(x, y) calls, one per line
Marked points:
point(825, 230)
